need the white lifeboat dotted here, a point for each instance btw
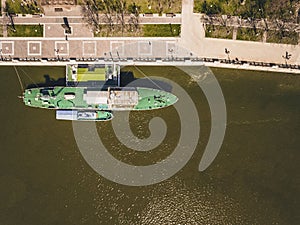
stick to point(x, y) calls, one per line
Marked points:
point(69, 96)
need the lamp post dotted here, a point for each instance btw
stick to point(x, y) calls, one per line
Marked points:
point(287, 56)
point(171, 50)
point(56, 52)
point(227, 52)
point(118, 56)
point(111, 56)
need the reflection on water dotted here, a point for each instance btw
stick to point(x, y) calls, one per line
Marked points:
point(254, 179)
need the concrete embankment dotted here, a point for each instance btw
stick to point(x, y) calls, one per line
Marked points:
point(209, 62)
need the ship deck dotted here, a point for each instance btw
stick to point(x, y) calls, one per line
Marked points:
point(35, 96)
point(86, 98)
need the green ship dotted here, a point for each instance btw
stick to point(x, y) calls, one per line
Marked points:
point(94, 103)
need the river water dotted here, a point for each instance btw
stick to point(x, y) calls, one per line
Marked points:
point(44, 179)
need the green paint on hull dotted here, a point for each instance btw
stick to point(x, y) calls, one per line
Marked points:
point(83, 98)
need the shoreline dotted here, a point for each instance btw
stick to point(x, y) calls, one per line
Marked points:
point(209, 62)
point(192, 48)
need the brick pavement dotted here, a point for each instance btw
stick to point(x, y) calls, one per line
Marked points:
point(192, 39)
point(90, 47)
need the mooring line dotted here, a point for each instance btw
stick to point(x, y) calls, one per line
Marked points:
point(19, 78)
point(29, 77)
point(148, 77)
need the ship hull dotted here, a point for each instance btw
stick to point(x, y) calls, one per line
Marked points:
point(82, 98)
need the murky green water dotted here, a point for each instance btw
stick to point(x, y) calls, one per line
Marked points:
point(254, 179)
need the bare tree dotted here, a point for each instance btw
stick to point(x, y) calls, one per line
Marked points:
point(160, 6)
point(170, 3)
point(120, 12)
point(116, 16)
point(90, 12)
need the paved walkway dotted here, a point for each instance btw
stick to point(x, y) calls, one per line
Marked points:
point(77, 47)
point(192, 42)
point(5, 20)
point(193, 37)
point(191, 32)
point(4, 30)
point(67, 10)
point(162, 62)
point(2, 6)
